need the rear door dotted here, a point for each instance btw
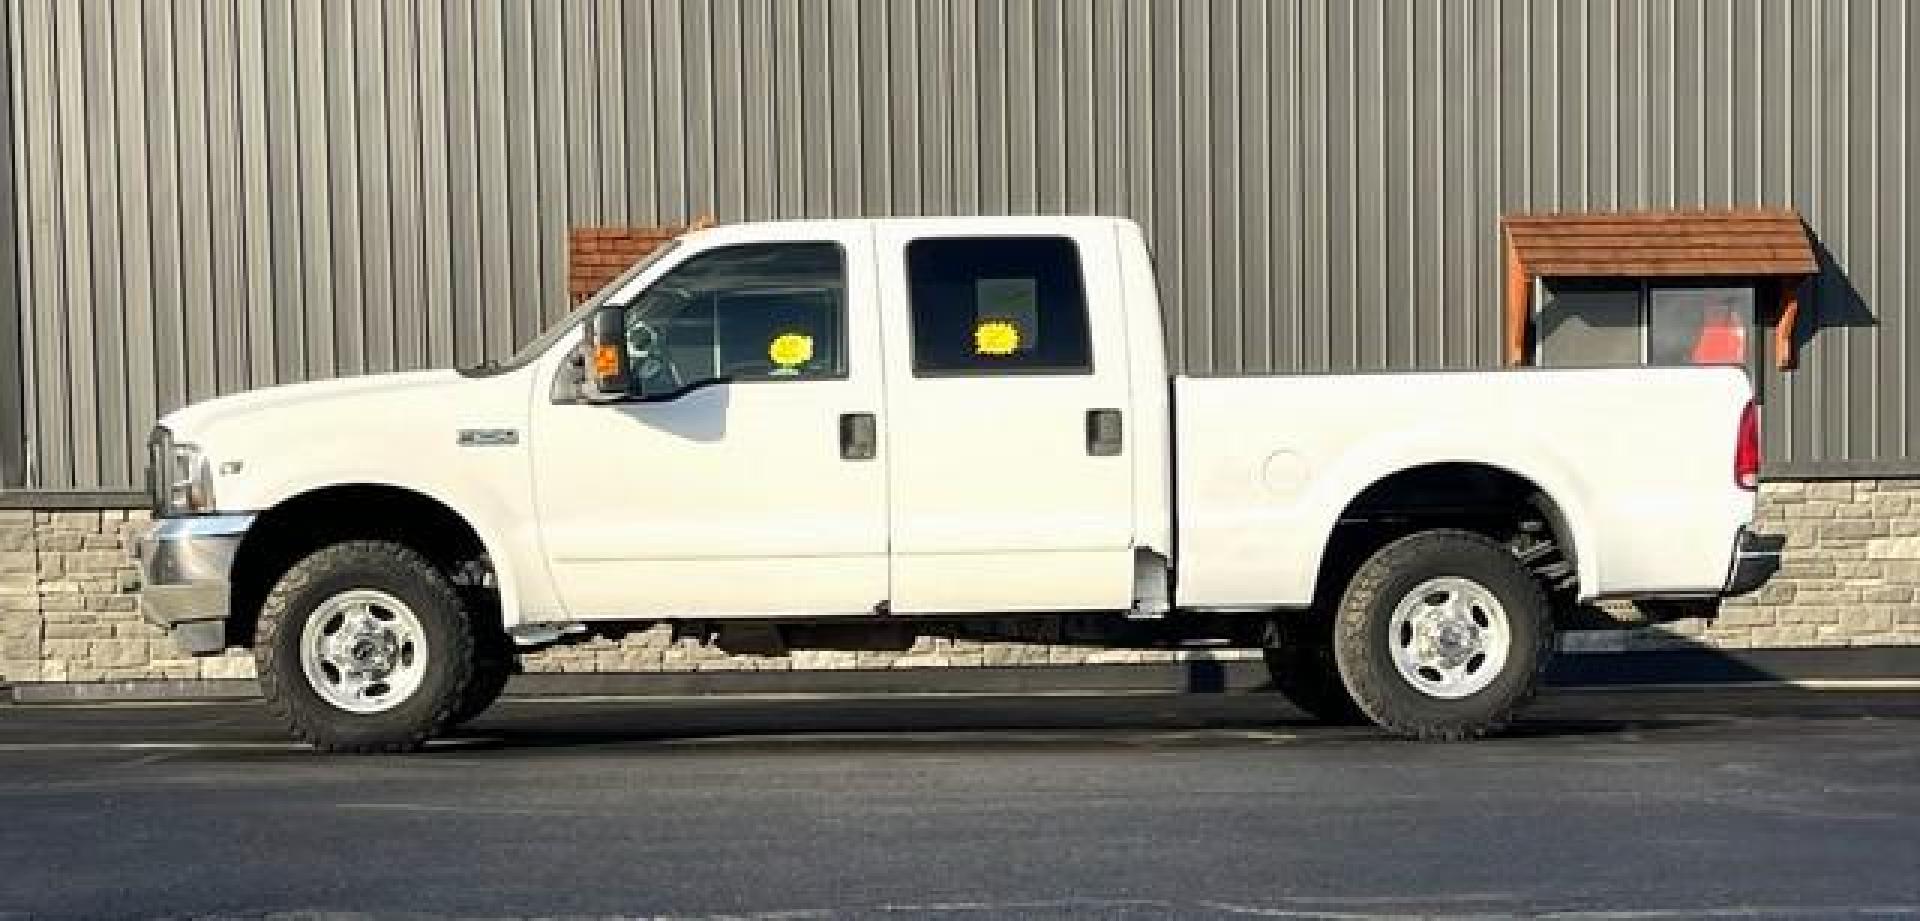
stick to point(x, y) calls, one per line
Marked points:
point(1010, 479)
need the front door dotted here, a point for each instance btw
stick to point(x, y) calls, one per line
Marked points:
point(737, 480)
point(1007, 421)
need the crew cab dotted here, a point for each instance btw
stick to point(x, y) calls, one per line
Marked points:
point(872, 420)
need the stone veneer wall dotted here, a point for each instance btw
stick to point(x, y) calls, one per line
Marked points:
point(68, 612)
point(67, 606)
point(1850, 576)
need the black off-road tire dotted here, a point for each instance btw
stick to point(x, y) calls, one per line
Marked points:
point(1362, 621)
point(408, 576)
point(494, 664)
point(1300, 662)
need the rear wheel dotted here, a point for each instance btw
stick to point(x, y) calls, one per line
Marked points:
point(365, 646)
point(1442, 635)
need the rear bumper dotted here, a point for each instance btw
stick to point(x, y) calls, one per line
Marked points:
point(1756, 558)
point(185, 572)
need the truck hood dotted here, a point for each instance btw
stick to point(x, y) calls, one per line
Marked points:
point(403, 387)
point(402, 429)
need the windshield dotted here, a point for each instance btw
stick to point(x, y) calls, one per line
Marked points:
point(573, 319)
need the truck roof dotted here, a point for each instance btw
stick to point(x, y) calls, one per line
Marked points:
point(1025, 224)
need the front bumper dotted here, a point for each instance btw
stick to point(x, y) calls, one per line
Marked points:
point(185, 572)
point(1756, 558)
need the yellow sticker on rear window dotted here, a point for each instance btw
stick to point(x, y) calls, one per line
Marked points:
point(996, 337)
point(790, 350)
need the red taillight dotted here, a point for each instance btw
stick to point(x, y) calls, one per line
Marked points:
point(1746, 451)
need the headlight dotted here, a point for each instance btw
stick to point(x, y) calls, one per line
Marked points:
point(178, 476)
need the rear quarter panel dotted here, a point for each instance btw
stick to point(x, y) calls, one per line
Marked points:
point(1639, 461)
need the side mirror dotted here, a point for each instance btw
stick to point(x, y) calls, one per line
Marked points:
point(608, 376)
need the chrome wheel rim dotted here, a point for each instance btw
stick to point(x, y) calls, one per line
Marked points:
point(363, 651)
point(1449, 637)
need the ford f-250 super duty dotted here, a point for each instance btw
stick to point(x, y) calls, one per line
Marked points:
point(882, 419)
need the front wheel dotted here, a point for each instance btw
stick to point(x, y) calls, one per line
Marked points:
point(365, 646)
point(1442, 635)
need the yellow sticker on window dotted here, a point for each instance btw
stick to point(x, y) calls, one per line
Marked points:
point(996, 337)
point(790, 350)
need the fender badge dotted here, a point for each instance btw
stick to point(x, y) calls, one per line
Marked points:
point(487, 438)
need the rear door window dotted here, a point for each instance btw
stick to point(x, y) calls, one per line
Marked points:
point(997, 305)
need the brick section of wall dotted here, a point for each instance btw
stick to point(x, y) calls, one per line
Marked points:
point(68, 612)
point(597, 255)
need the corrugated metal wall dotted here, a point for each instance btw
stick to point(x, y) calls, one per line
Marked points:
point(12, 380)
point(222, 194)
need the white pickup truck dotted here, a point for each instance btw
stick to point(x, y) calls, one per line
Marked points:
point(884, 419)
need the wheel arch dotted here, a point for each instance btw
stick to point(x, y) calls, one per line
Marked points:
point(1479, 489)
point(307, 520)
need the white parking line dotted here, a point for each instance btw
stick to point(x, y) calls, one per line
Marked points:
point(801, 739)
point(855, 696)
point(613, 698)
point(973, 736)
point(192, 746)
point(1648, 914)
point(147, 746)
point(1802, 684)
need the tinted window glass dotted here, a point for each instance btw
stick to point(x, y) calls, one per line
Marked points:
point(996, 305)
point(759, 311)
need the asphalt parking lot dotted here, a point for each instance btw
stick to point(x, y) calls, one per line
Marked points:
point(1605, 805)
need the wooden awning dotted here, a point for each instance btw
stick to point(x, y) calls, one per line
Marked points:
point(1745, 243)
point(597, 255)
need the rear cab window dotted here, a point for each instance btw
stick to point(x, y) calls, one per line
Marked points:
point(997, 305)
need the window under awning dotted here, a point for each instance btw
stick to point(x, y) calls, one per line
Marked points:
point(1744, 243)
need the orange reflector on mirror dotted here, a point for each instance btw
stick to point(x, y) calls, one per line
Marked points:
point(606, 360)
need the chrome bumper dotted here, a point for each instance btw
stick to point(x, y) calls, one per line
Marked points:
point(1756, 558)
point(185, 565)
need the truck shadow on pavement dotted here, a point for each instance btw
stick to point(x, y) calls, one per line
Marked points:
point(1623, 697)
point(918, 723)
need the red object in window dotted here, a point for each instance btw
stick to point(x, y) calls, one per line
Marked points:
point(1723, 339)
point(1746, 449)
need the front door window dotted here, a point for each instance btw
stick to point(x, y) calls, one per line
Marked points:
point(754, 312)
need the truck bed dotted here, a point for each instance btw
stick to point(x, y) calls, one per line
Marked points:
point(1638, 461)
